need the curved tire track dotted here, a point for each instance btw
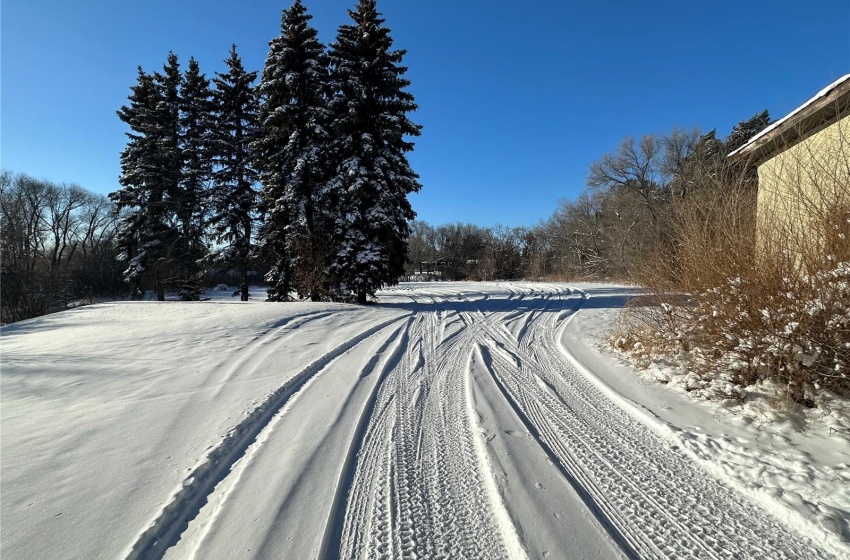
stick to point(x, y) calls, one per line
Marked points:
point(416, 480)
point(166, 529)
point(420, 488)
point(655, 501)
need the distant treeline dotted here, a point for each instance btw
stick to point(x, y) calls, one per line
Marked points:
point(58, 247)
point(624, 222)
point(60, 243)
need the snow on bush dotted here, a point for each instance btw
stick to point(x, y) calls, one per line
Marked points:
point(793, 332)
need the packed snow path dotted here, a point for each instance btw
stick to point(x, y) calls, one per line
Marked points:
point(450, 421)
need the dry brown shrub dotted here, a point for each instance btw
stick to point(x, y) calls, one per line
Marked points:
point(751, 295)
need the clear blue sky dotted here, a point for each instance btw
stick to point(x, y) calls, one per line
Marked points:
point(516, 98)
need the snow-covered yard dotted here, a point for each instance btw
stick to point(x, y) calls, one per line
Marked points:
point(450, 420)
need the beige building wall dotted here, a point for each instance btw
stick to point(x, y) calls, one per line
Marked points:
point(804, 194)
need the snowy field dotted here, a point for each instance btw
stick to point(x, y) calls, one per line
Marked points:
point(449, 421)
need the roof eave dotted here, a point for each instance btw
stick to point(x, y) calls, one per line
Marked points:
point(827, 107)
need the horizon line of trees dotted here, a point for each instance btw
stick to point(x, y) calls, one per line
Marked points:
point(306, 170)
point(60, 243)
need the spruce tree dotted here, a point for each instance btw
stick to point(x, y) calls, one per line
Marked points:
point(150, 175)
point(373, 177)
point(169, 84)
point(140, 194)
point(233, 199)
point(195, 128)
point(292, 156)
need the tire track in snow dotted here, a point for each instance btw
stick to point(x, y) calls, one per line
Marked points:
point(285, 326)
point(503, 518)
point(420, 486)
point(333, 527)
point(416, 480)
point(175, 517)
point(597, 508)
point(659, 503)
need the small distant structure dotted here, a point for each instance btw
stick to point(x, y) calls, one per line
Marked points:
point(429, 271)
point(431, 267)
point(803, 163)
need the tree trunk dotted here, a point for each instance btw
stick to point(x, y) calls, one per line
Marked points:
point(244, 287)
point(245, 255)
point(361, 298)
point(136, 292)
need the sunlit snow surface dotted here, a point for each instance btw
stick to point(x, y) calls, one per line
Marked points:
point(450, 420)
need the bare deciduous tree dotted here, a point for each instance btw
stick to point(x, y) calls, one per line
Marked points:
point(634, 166)
point(56, 246)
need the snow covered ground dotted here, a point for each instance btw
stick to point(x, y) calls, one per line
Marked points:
point(450, 420)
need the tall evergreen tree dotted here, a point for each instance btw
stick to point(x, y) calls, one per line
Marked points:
point(141, 191)
point(373, 176)
point(233, 198)
point(150, 175)
point(169, 84)
point(292, 152)
point(195, 129)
